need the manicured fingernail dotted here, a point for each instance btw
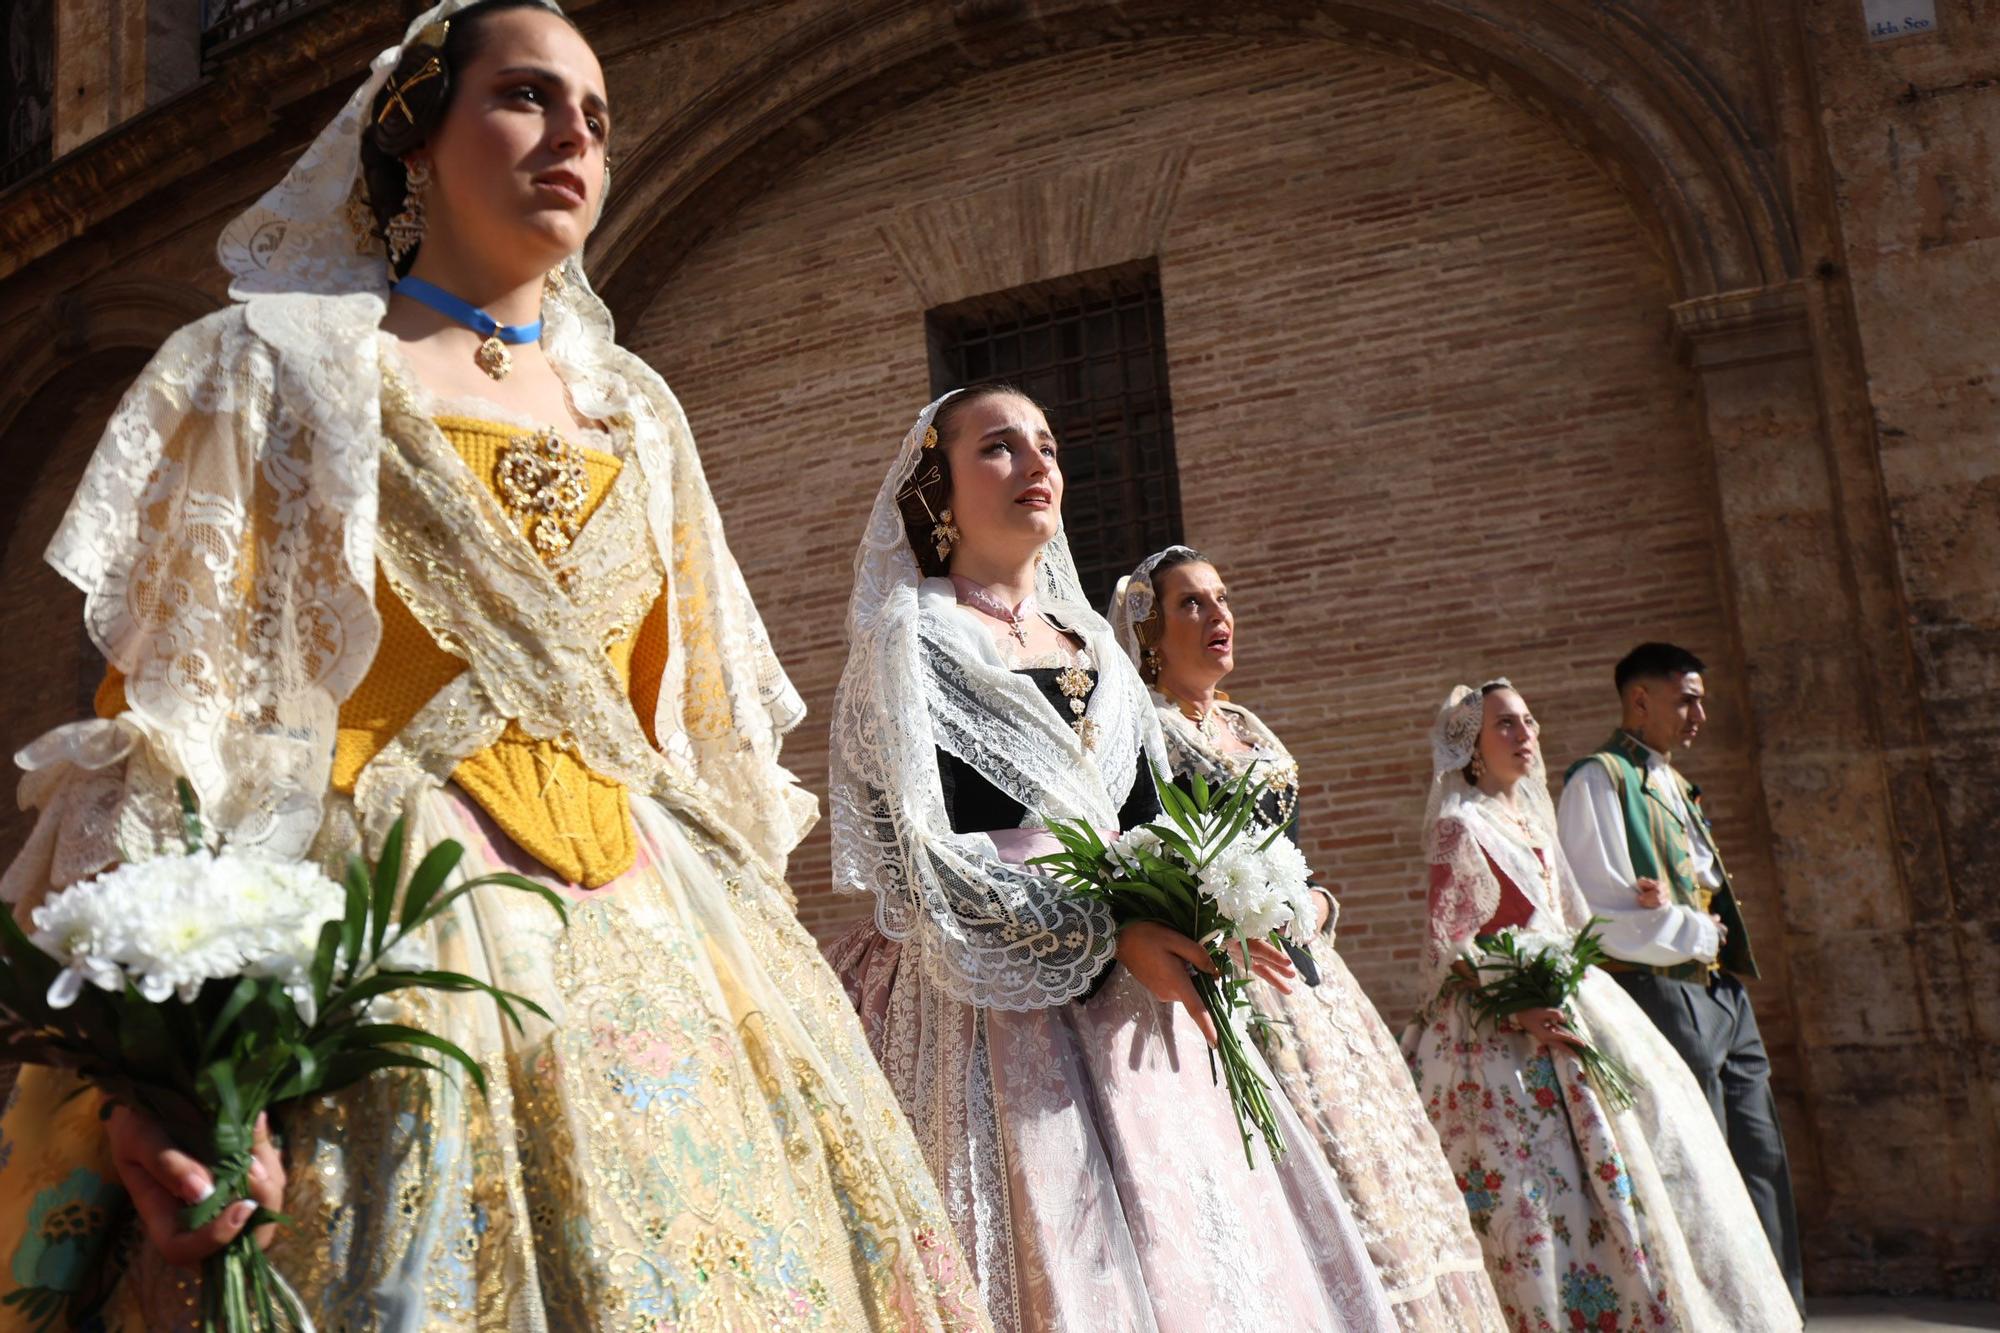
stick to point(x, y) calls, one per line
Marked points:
point(256, 1171)
point(264, 1124)
point(240, 1211)
point(195, 1187)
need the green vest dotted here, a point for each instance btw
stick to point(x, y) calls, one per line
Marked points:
point(1660, 844)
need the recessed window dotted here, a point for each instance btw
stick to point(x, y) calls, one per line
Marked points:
point(1091, 348)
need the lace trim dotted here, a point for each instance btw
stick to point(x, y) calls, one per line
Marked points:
point(605, 439)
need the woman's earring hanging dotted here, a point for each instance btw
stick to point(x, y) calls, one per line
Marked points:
point(1149, 664)
point(945, 533)
point(405, 231)
point(554, 284)
point(1477, 769)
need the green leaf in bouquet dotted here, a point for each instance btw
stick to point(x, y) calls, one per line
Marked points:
point(324, 958)
point(145, 1046)
point(354, 921)
point(443, 901)
point(1182, 844)
point(431, 873)
point(1175, 802)
point(388, 875)
point(351, 1066)
point(380, 1034)
point(192, 833)
point(241, 996)
point(384, 983)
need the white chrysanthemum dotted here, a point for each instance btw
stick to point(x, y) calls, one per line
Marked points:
point(1286, 864)
point(1241, 887)
point(174, 923)
point(1134, 841)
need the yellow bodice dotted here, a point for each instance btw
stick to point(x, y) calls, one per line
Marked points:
point(539, 792)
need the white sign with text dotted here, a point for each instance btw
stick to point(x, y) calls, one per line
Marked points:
point(1889, 19)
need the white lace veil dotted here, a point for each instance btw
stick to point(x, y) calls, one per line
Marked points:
point(1133, 600)
point(298, 237)
point(224, 532)
point(922, 676)
point(1463, 827)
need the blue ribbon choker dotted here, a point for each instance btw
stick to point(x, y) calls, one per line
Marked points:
point(492, 355)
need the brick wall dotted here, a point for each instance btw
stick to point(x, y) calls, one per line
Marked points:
point(1427, 414)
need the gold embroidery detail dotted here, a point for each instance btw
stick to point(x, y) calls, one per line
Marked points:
point(1076, 684)
point(542, 481)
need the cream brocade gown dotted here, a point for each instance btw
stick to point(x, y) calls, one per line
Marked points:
point(700, 1140)
point(1343, 1073)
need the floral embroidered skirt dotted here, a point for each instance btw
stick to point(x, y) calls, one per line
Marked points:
point(1613, 1223)
point(700, 1140)
point(1341, 1071)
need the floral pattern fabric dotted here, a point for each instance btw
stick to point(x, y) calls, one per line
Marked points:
point(1589, 1219)
point(701, 1140)
point(1537, 1164)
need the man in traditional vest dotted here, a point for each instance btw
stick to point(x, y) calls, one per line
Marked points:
point(1645, 856)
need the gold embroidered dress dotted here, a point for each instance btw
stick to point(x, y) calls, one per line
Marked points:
point(321, 612)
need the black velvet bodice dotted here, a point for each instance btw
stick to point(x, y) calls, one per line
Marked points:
point(977, 806)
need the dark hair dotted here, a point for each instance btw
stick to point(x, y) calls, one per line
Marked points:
point(1490, 687)
point(1149, 629)
point(388, 139)
point(927, 495)
point(1654, 661)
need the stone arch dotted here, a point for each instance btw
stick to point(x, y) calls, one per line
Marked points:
point(1605, 75)
point(119, 313)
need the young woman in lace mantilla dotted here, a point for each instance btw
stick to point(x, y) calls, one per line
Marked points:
point(1335, 1059)
point(350, 563)
point(1590, 1217)
point(1048, 1061)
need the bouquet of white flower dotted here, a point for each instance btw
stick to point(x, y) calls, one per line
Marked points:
point(202, 989)
point(1212, 872)
point(1530, 971)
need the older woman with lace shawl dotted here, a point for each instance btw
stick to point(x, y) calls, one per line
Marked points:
point(1591, 1218)
point(1091, 1163)
point(1334, 1058)
point(346, 571)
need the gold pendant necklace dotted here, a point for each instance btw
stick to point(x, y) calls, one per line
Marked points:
point(494, 358)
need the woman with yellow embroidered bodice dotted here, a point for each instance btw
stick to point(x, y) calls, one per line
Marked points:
point(356, 558)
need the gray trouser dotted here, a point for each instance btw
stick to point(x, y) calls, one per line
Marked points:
point(1714, 1028)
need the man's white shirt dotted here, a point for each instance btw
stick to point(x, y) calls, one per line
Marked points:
point(1591, 821)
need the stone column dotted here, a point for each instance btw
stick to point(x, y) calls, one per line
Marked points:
point(1875, 1061)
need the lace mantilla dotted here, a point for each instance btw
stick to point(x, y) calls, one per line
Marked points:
point(224, 534)
point(1463, 826)
point(922, 676)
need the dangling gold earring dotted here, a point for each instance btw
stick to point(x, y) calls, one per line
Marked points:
point(1149, 665)
point(554, 283)
point(945, 533)
point(405, 231)
point(1478, 769)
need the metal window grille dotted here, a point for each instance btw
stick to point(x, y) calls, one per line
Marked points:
point(1091, 349)
point(226, 21)
point(27, 87)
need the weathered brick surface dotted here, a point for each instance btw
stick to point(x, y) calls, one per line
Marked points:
point(1425, 413)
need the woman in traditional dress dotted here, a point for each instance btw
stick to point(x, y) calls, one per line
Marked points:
point(356, 556)
point(1591, 1218)
point(1054, 1065)
point(1335, 1059)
